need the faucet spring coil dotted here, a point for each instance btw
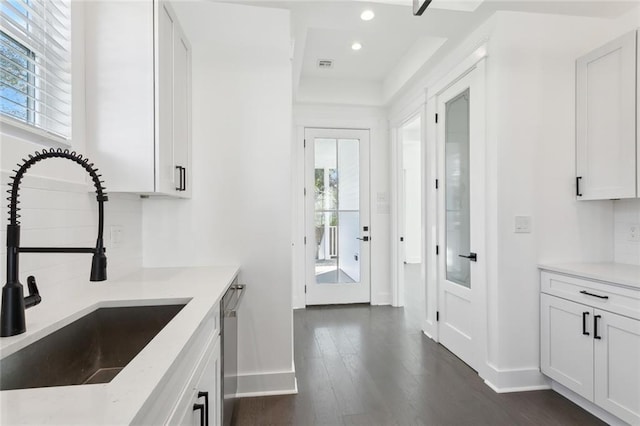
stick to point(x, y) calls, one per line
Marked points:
point(16, 180)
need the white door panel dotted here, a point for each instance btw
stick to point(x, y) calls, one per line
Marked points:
point(460, 145)
point(337, 216)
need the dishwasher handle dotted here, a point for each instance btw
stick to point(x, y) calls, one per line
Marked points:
point(239, 289)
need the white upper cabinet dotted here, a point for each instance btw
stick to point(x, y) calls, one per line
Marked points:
point(606, 121)
point(138, 97)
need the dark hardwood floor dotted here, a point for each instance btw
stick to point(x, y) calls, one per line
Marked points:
point(363, 365)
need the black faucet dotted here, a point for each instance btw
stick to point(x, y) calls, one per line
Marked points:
point(12, 319)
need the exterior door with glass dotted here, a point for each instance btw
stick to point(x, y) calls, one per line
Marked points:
point(460, 215)
point(337, 216)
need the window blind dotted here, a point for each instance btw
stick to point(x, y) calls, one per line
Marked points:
point(35, 64)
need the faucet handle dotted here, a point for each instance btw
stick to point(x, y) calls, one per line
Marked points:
point(34, 295)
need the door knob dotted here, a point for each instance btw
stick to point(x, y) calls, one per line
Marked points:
point(472, 257)
point(363, 238)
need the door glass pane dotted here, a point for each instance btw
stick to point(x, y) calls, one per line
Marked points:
point(349, 165)
point(457, 214)
point(337, 210)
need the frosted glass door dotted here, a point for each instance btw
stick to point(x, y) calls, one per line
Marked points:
point(457, 197)
point(460, 146)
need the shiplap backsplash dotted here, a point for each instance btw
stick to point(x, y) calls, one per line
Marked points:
point(626, 213)
point(63, 214)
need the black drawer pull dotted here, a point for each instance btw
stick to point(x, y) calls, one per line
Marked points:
point(584, 323)
point(202, 394)
point(200, 407)
point(594, 295)
point(595, 327)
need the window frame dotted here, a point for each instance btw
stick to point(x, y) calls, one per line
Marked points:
point(30, 130)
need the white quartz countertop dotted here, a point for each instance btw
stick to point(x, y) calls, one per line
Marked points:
point(616, 273)
point(119, 401)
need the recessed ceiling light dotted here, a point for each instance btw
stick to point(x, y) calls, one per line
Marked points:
point(367, 15)
point(356, 46)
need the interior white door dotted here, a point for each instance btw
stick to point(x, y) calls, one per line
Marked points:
point(337, 216)
point(460, 212)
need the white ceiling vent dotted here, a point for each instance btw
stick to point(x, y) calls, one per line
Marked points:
point(325, 64)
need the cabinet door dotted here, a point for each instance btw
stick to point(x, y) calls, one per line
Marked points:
point(209, 382)
point(182, 109)
point(617, 366)
point(605, 121)
point(566, 353)
point(165, 164)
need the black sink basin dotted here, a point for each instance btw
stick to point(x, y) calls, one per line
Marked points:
point(92, 349)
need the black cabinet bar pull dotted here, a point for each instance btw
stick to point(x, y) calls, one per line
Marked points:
point(594, 295)
point(200, 407)
point(584, 323)
point(578, 193)
point(182, 178)
point(205, 395)
point(595, 327)
point(179, 186)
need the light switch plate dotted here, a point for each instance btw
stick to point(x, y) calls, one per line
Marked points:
point(634, 233)
point(522, 224)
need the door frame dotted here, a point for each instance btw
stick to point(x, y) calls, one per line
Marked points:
point(416, 110)
point(475, 63)
point(331, 117)
point(365, 206)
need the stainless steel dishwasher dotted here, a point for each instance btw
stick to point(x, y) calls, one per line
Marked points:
point(229, 313)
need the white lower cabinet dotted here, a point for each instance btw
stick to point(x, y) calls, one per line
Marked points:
point(566, 352)
point(192, 385)
point(617, 366)
point(593, 352)
point(200, 402)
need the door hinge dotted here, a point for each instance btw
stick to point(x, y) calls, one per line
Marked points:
point(305, 240)
point(305, 289)
point(437, 312)
point(305, 192)
point(436, 117)
point(437, 250)
point(304, 143)
point(436, 183)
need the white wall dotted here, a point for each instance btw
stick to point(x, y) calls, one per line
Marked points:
point(626, 214)
point(59, 207)
point(240, 210)
point(531, 107)
point(325, 91)
point(328, 116)
point(530, 165)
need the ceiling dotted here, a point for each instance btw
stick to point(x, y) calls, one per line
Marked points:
point(395, 45)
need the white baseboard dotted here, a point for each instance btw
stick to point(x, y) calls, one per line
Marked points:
point(587, 405)
point(514, 380)
point(267, 384)
point(381, 299)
